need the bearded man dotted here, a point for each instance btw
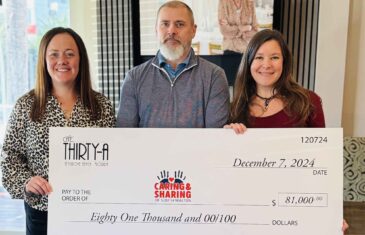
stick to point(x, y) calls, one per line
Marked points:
point(176, 88)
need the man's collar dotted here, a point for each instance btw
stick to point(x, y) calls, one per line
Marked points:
point(162, 60)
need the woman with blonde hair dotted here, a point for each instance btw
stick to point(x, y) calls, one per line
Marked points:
point(237, 23)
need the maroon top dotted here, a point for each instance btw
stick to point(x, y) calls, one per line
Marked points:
point(282, 120)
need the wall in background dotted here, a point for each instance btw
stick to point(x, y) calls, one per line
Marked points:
point(353, 116)
point(331, 57)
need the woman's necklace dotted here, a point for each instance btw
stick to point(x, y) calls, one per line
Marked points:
point(66, 111)
point(238, 6)
point(66, 107)
point(266, 101)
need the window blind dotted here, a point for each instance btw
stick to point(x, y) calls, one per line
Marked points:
point(299, 25)
point(114, 42)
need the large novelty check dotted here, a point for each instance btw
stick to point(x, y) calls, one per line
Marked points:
point(195, 181)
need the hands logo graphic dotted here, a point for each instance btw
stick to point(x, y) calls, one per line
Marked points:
point(166, 178)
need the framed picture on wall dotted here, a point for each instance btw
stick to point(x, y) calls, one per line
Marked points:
point(216, 22)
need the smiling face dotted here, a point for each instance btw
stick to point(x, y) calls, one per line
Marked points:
point(62, 59)
point(175, 29)
point(267, 65)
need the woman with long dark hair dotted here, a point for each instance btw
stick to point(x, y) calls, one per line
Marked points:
point(265, 92)
point(62, 97)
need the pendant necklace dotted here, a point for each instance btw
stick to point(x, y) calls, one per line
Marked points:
point(238, 6)
point(266, 101)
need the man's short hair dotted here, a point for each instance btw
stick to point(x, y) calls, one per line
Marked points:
point(177, 4)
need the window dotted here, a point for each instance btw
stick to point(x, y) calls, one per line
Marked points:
point(19, 41)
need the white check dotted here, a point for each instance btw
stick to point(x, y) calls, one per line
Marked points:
point(195, 181)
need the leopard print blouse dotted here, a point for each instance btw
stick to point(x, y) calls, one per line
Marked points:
point(25, 149)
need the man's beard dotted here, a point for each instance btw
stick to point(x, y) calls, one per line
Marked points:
point(171, 53)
